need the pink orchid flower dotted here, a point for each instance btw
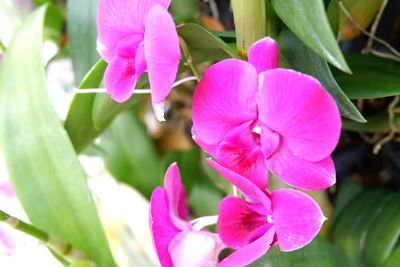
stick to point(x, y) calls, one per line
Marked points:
point(7, 244)
point(286, 217)
point(177, 241)
point(254, 117)
point(137, 36)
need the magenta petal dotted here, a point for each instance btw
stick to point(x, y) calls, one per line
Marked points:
point(297, 218)
point(241, 152)
point(301, 173)
point(120, 78)
point(224, 99)
point(161, 227)
point(239, 223)
point(115, 22)
point(195, 249)
point(264, 54)
point(7, 189)
point(250, 190)
point(251, 252)
point(144, 7)
point(299, 109)
point(176, 195)
point(162, 53)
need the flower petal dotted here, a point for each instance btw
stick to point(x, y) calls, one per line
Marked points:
point(224, 99)
point(162, 53)
point(195, 249)
point(120, 78)
point(118, 19)
point(248, 254)
point(301, 173)
point(250, 190)
point(264, 54)
point(239, 223)
point(297, 218)
point(176, 195)
point(161, 227)
point(7, 189)
point(241, 152)
point(297, 107)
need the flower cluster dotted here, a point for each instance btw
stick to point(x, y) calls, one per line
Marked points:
point(251, 117)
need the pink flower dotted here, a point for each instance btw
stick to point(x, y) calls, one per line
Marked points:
point(7, 244)
point(288, 218)
point(137, 36)
point(254, 117)
point(177, 241)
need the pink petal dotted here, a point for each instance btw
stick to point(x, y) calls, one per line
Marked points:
point(176, 195)
point(162, 53)
point(297, 218)
point(7, 189)
point(120, 78)
point(299, 109)
point(224, 99)
point(118, 19)
point(239, 223)
point(301, 173)
point(210, 149)
point(264, 54)
point(161, 226)
point(241, 152)
point(269, 141)
point(248, 254)
point(250, 190)
point(5, 239)
point(195, 249)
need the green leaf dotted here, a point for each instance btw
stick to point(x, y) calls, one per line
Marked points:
point(317, 254)
point(384, 235)
point(79, 123)
point(355, 222)
point(40, 159)
point(184, 11)
point(378, 123)
point(82, 35)
point(305, 60)
point(372, 77)
point(203, 45)
point(82, 264)
point(130, 154)
point(308, 20)
point(394, 259)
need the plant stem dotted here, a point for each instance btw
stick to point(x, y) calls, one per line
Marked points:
point(189, 59)
point(61, 248)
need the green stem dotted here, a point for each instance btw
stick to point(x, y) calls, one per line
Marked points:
point(189, 59)
point(2, 47)
point(61, 248)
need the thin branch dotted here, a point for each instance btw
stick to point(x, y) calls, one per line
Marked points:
point(374, 26)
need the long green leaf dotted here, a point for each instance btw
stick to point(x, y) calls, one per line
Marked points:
point(372, 77)
point(82, 34)
point(319, 253)
point(79, 123)
point(305, 60)
point(39, 156)
point(308, 20)
point(203, 45)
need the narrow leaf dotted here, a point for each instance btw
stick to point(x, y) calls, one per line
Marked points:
point(39, 156)
point(308, 20)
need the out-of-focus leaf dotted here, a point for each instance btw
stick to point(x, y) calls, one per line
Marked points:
point(41, 161)
point(347, 191)
point(82, 35)
point(305, 60)
point(308, 20)
point(79, 122)
point(372, 77)
point(189, 164)
point(384, 234)
point(378, 123)
point(394, 259)
point(82, 264)
point(358, 221)
point(53, 23)
point(184, 11)
point(203, 45)
point(130, 154)
point(317, 254)
point(215, 178)
point(204, 199)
